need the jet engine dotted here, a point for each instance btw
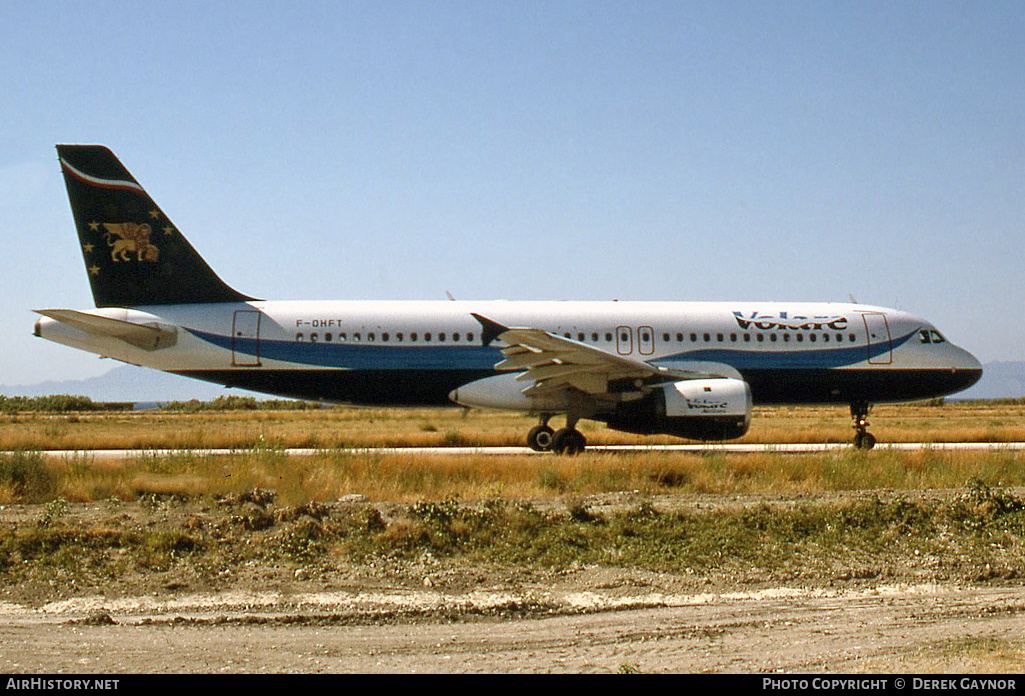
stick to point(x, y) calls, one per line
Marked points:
point(505, 392)
point(699, 409)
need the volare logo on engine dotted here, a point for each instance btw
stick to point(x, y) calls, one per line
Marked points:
point(706, 404)
point(784, 322)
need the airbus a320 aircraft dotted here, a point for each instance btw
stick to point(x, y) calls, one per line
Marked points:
point(689, 369)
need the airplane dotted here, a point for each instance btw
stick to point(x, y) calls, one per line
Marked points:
point(687, 369)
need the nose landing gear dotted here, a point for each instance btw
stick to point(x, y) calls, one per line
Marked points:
point(862, 438)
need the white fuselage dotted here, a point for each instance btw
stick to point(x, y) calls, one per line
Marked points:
point(418, 352)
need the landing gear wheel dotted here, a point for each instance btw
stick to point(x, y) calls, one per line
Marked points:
point(540, 438)
point(569, 441)
point(865, 441)
point(862, 438)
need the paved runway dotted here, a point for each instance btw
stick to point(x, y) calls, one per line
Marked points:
point(788, 448)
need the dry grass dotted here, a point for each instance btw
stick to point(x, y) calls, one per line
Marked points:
point(330, 475)
point(363, 427)
point(259, 437)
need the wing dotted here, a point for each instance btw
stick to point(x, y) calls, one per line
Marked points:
point(552, 363)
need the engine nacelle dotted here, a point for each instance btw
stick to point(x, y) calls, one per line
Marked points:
point(504, 392)
point(700, 409)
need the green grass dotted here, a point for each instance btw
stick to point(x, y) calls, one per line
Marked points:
point(982, 525)
point(973, 535)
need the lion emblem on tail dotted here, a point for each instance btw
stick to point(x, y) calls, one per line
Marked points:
point(127, 238)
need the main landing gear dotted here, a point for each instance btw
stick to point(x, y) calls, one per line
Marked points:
point(862, 438)
point(568, 440)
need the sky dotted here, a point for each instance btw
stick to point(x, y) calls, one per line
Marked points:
point(532, 150)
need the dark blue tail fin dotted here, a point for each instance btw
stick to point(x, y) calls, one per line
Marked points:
point(134, 255)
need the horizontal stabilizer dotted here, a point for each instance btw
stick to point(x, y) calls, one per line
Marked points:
point(152, 336)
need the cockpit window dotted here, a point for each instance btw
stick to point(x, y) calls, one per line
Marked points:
point(930, 336)
point(936, 337)
point(924, 336)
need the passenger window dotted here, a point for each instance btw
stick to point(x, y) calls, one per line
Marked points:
point(665, 338)
point(694, 338)
point(455, 336)
point(679, 338)
point(580, 336)
point(299, 336)
point(412, 336)
point(707, 338)
point(327, 336)
point(733, 337)
point(852, 338)
point(720, 337)
point(594, 336)
point(800, 337)
point(812, 338)
point(313, 338)
point(357, 336)
point(760, 337)
point(747, 338)
point(427, 337)
point(398, 336)
point(441, 337)
point(341, 337)
point(469, 336)
point(772, 337)
point(786, 338)
point(370, 337)
point(608, 336)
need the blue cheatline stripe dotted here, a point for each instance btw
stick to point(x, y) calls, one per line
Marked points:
point(361, 357)
point(470, 357)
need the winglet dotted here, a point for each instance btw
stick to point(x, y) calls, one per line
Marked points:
point(492, 329)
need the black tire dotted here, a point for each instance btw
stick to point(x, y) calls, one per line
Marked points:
point(540, 438)
point(865, 441)
point(569, 441)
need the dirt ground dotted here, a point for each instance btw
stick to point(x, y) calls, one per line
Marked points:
point(434, 616)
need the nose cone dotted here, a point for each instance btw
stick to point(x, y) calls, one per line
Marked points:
point(966, 370)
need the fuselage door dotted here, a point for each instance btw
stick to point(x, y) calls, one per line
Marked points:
point(646, 340)
point(880, 349)
point(624, 340)
point(245, 338)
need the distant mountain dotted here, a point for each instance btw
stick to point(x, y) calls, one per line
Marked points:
point(130, 383)
point(1000, 380)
